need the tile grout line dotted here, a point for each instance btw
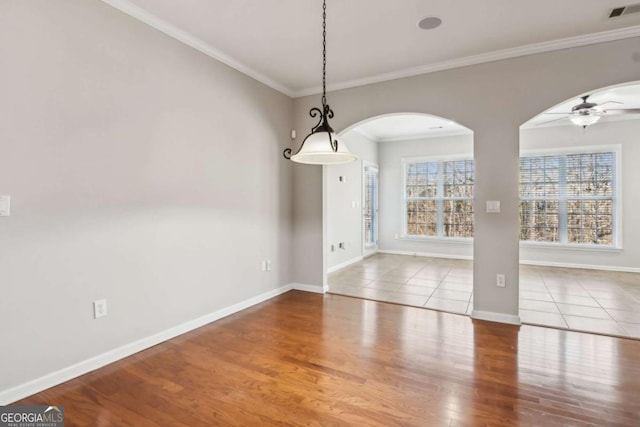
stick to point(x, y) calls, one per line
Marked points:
point(388, 267)
point(564, 319)
point(622, 328)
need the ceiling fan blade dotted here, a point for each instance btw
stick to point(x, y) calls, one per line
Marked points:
point(610, 102)
point(613, 111)
point(551, 121)
point(566, 114)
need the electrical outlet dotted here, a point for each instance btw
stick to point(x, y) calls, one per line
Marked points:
point(268, 265)
point(501, 281)
point(99, 308)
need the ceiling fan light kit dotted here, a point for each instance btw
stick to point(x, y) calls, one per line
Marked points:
point(585, 120)
point(322, 146)
point(588, 113)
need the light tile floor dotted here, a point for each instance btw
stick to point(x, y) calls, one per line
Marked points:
point(583, 300)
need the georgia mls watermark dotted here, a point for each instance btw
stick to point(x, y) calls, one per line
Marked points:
point(31, 416)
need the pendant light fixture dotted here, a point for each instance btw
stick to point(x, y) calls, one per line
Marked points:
point(322, 146)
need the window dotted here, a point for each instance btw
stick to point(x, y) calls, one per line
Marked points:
point(439, 198)
point(565, 198)
point(568, 198)
point(370, 210)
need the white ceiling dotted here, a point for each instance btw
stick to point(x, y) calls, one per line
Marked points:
point(279, 41)
point(399, 127)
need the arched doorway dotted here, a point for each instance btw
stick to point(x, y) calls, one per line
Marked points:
point(398, 223)
point(579, 253)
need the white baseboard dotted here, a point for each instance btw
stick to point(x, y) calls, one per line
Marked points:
point(308, 288)
point(522, 262)
point(583, 266)
point(491, 316)
point(369, 254)
point(426, 254)
point(47, 381)
point(344, 264)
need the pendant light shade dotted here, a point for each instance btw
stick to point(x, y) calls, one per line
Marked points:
point(317, 150)
point(322, 146)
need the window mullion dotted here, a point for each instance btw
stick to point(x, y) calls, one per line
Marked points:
point(439, 201)
point(563, 217)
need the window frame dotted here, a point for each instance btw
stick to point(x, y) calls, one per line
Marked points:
point(405, 161)
point(616, 149)
point(617, 244)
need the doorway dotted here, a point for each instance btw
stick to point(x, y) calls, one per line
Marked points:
point(406, 205)
point(579, 261)
point(370, 179)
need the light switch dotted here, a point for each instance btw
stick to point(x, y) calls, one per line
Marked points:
point(493, 206)
point(5, 205)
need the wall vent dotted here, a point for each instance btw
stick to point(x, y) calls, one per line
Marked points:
point(625, 10)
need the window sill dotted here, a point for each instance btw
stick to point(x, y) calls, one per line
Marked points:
point(568, 247)
point(452, 240)
point(523, 245)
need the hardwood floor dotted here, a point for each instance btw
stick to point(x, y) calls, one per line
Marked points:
point(308, 359)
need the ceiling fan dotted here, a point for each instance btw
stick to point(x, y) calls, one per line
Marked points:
point(587, 113)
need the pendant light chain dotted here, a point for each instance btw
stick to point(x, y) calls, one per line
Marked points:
point(322, 146)
point(324, 54)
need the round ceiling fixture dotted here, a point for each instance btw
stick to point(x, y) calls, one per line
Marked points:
point(585, 119)
point(429, 23)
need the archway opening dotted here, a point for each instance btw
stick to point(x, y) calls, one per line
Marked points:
point(398, 223)
point(579, 239)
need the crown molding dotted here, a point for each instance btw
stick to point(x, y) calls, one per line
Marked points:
point(142, 15)
point(530, 49)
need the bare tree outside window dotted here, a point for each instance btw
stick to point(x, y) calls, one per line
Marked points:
point(370, 207)
point(539, 198)
point(564, 198)
point(439, 197)
point(568, 198)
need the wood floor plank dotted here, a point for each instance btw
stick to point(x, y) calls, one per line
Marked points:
point(307, 359)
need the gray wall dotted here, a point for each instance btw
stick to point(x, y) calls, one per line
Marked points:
point(140, 171)
point(344, 200)
point(492, 100)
